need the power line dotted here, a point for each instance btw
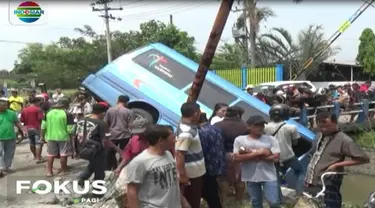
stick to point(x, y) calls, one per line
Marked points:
point(16, 42)
point(106, 18)
point(132, 2)
point(151, 12)
point(162, 12)
point(142, 3)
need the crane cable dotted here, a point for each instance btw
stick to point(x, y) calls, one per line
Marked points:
point(337, 34)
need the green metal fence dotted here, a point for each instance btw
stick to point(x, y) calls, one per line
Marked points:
point(243, 76)
point(231, 75)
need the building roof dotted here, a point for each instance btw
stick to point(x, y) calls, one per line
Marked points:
point(342, 63)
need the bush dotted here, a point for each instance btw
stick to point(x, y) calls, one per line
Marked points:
point(366, 139)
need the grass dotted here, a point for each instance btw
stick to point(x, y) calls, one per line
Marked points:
point(366, 139)
point(69, 92)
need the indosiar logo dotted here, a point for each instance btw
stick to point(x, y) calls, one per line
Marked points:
point(27, 13)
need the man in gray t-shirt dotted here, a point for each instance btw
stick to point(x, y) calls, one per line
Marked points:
point(118, 119)
point(257, 153)
point(151, 176)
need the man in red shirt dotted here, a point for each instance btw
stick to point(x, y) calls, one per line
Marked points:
point(32, 117)
point(137, 143)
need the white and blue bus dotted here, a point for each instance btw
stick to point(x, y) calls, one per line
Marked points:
point(157, 79)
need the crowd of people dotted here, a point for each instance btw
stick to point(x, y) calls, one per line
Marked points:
point(159, 166)
point(297, 96)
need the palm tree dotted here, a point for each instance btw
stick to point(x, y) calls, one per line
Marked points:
point(255, 16)
point(280, 47)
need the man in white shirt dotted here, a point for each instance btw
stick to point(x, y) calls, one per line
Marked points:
point(56, 97)
point(257, 153)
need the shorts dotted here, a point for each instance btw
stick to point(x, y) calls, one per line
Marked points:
point(34, 137)
point(62, 148)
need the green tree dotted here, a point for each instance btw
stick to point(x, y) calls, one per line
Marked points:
point(60, 64)
point(228, 56)
point(366, 51)
point(3, 71)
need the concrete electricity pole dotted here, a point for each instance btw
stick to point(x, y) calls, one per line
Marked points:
point(242, 34)
point(245, 39)
point(106, 17)
point(171, 19)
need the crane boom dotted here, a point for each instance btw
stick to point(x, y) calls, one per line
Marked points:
point(337, 34)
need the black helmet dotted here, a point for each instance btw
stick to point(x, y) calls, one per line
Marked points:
point(279, 111)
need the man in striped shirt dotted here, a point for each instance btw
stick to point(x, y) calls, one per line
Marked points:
point(189, 154)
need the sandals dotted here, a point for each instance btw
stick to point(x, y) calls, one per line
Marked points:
point(9, 170)
point(61, 172)
point(49, 175)
point(42, 160)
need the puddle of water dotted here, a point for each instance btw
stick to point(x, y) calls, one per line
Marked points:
point(356, 188)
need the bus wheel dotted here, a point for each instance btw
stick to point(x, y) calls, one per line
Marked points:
point(142, 114)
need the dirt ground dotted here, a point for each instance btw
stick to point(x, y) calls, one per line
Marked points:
point(26, 168)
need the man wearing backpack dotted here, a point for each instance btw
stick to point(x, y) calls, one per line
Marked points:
point(287, 136)
point(56, 129)
point(89, 143)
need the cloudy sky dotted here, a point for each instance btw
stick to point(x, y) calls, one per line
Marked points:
point(195, 17)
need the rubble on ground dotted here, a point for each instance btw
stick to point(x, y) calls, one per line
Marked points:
point(71, 200)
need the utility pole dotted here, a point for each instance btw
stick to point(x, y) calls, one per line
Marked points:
point(209, 51)
point(251, 7)
point(106, 17)
point(245, 38)
point(171, 20)
point(242, 34)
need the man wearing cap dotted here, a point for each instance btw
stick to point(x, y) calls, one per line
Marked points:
point(8, 119)
point(57, 127)
point(136, 144)
point(257, 153)
point(16, 102)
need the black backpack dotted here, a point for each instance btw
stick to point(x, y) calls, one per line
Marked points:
point(86, 148)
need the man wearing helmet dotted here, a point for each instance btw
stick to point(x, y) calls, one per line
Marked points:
point(288, 136)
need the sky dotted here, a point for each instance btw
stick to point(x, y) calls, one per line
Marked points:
point(195, 17)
